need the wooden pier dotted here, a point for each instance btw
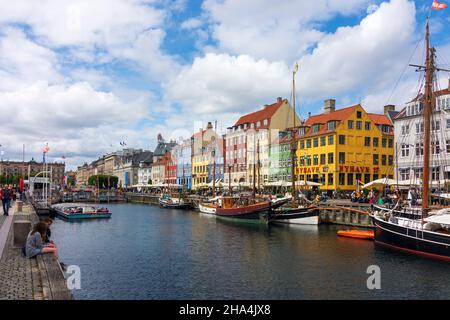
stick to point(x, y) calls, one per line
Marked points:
point(346, 213)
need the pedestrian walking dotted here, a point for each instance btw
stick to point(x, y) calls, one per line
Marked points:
point(6, 199)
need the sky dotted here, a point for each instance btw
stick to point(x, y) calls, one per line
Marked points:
point(85, 75)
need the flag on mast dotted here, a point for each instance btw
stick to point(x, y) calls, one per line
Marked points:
point(296, 68)
point(438, 5)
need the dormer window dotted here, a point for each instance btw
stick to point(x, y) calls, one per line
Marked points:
point(331, 125)
point(266, 122)
point(301, 131)
point(252, 125)
point(258, 124)
point(315, 128)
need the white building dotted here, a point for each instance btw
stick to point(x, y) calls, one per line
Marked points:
point(144, 173)
point(408, 133)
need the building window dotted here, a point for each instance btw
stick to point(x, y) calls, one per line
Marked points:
point(375, 142)
point(341, 139)
point(390, 143)
point(330, 179)
point(341, 157)
point(447, 146)
point(302, 144)
point(358, 125)
point(390, 160)
point(367, 178)
point(435, 173)
point(350, 124)
point(315, 142)
point(322, 158)
point(322, 141)
point(367, 141)
point(315, 128)
point(383, 143)
point(419, 149)
point(308, 160)
point(308, 143)
point(375, 159)
point(315, 159)
point(358, 114)
point(331, 125)
point(418, 172)
point(367, 125)
point(383, 160)
point(405, 129)
point(448, 124)
point(331, 158)
point(342, 179)
point(330, 140)
point(435, 125)
point(266, 122)
point(435, 147)
point(419, 127)
point(258, 124)
point(350, 179)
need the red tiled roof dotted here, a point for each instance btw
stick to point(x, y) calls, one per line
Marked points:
point(266, 112)
point(380, 119)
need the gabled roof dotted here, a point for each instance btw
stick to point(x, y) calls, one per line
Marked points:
point(380, 119)
point(163, 147)
point(266, 112)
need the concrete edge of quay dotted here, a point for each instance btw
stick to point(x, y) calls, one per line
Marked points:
point(21, 278)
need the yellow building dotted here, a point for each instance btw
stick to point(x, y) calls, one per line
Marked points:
point(340, 148)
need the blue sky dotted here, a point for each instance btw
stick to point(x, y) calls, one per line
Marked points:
point(85, 75)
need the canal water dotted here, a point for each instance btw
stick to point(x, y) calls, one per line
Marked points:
point(144, 252)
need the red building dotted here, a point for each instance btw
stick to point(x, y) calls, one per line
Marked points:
point(170, 163)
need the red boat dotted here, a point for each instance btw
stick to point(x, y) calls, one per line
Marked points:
point(253, 212)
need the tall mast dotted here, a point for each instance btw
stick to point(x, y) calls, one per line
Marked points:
point(293, 143)
point(427, 106)
point(259, 168)
point(254, 166)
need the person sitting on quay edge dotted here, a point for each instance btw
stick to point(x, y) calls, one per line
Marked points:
point(35, 242)
point(48, 233)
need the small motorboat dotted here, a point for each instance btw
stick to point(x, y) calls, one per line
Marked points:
point(358, 234)
point(77, 211)
point(173, 201)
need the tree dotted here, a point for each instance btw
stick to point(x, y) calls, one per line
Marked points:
point(101, 181)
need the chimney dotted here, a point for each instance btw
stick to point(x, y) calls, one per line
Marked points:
point(448, 83)
point(279, 99)
point(387, 108)
point(209, 126)
point(329, 106)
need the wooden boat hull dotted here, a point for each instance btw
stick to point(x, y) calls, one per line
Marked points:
point(251, 213)
point(305, 216)
point(169, 205)
point(419, 242)
point(204, 208)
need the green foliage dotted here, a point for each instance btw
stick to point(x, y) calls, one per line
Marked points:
point(70, 181)
point(101, 181)
point(10, 179)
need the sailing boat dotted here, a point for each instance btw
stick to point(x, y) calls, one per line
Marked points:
point(294, 213)
point(428, 236)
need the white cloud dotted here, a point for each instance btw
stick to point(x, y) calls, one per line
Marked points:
point(367, 56)
point(272, 29)
point(192, 23)
point(219, 83)
point(23, 62)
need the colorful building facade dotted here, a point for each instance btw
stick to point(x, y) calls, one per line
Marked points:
point(341, 148)
point(183, 154)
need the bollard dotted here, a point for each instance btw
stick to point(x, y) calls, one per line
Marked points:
point(21, 228)
point(19, 206)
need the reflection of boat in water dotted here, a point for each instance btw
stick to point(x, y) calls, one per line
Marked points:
point(80, 211)
point(173, 201)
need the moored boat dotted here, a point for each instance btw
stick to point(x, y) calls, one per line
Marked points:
point(173, 201)
point(300, 215)
point(78, 211)
point(358, 234)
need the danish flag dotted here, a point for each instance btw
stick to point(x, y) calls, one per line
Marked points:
point(438, 5)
